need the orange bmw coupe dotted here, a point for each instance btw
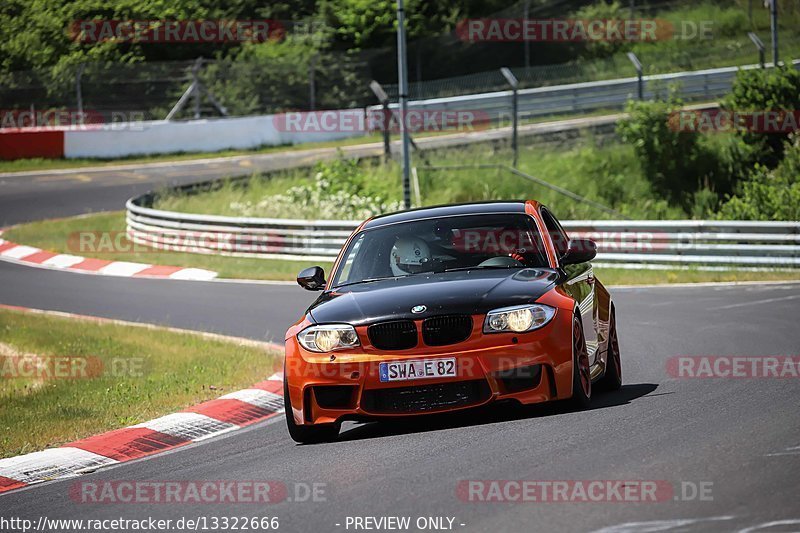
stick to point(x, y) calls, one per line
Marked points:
point(446, 308)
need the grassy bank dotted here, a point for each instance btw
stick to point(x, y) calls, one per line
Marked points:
point(131, 375)
point(608, 174)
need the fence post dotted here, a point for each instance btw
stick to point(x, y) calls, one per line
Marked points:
point(78, 91)
point(638, 66)
point(196, 84)
point(773, 25)
point(525, 14)
point(514, 83)
point(760, 45)
point(312, 90)
point(383, 98)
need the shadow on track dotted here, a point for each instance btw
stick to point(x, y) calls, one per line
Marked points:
point(492, 414)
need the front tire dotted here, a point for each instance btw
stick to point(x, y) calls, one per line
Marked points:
point(306, 434)
point(581, 376)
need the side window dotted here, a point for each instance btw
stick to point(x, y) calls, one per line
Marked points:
point(557, 233)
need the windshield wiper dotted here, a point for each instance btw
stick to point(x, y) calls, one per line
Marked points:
point(480, 267)
point(368, 280)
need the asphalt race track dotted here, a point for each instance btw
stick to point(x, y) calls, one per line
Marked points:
point(740, 435)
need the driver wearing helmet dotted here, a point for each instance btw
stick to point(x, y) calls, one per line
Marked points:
point(410, 255)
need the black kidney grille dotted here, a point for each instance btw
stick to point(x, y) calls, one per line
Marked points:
point(394, 335)
point(442, 330)
point(426, 397)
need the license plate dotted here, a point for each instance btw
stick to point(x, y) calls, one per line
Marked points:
point(421, 369)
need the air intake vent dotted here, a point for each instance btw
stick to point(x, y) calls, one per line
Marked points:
point(443, 330)
point(395, 335)
point(426, 398)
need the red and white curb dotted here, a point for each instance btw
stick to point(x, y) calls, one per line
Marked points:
point(209, 419)
point(28, 255)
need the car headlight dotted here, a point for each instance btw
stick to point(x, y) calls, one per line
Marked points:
point(518, 319)
point(328, 338)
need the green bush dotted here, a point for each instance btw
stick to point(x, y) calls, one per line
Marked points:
point(340, 189)
point(603, 11)
point(675, 162)
point(759, 90)
point(608, 174)
point(769, 194)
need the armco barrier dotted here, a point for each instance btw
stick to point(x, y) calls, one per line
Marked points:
point(632, 243)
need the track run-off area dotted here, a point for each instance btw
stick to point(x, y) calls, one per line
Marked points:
point(728, 447)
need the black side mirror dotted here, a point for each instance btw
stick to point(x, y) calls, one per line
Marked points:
point(312, 279)
point(579, 251)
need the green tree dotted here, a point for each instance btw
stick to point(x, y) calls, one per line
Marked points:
point(763, 90)
point(604, 11)
point(674, 161)
point(769, 194)
point(372, 23)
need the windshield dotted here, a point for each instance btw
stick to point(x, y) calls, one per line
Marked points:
point(441, 245)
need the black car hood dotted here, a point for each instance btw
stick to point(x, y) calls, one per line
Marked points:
point(468, 292)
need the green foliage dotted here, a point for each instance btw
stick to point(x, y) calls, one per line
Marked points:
point(704, 203)
point(276, 76)
point(353, 41)
point(695, 170)
point(609, 175)
point(373, 23)
point(673, 161)
point(340, 189)
point(604, 11)
point(360, 22)
point(35, 34)
point(769, 194)
point(760, 90)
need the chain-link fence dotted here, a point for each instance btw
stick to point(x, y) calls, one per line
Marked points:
point(150, 90)
point(727, 53)
point(336, 80)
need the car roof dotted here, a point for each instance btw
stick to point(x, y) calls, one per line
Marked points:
point(474, 208)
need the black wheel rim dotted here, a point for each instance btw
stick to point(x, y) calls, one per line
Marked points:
point(615, 347)
point(582, 359)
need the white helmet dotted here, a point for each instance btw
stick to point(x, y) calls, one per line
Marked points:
point(409, 256)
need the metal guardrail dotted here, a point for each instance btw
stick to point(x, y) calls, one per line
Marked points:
point(630, 243)
point(700, 85)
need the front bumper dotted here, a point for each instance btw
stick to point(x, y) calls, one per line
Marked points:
point(529, 368)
